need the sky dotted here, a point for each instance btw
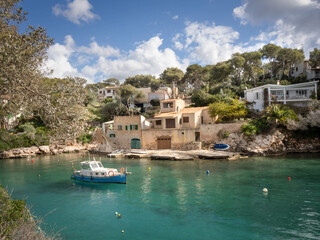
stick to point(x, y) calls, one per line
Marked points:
point(101, 39)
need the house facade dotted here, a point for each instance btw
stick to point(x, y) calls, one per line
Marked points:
point(305, 68)
point(162, 93)
point(126, 131)
point(172, 128)
point(107, 92)
point(295, 94)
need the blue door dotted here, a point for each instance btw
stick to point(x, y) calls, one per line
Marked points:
point(135, 143)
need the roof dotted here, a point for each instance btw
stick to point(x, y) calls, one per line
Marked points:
point(282, 86)
point(168, 115)
point(171, 100)
point(183, 111)
point(193, 109)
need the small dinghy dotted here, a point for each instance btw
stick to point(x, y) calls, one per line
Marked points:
point(221, 146)
point(94, 172)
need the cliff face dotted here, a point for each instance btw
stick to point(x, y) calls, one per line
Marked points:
point(52, 149)
point(272, 143)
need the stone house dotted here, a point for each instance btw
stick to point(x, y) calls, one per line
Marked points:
point(174, 127)
point(295, 94)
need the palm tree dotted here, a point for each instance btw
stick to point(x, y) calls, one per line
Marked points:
point(279, 114)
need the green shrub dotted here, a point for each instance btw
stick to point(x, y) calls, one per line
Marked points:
point(255, 127)
point(84, 138)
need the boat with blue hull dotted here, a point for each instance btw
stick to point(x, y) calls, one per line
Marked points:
point(94, 172)
point(221, 146)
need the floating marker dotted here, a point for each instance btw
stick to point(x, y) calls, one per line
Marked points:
point(116, 213)
point(289, 178)
point(32, 160)
point(149, 168)
point(208, 172)
point(122, 231)
point(265, 190)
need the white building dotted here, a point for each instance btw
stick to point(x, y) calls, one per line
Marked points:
point(107, 92)
point(305, 68)
point(295, 94)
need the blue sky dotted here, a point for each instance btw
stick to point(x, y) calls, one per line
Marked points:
point(98, 39)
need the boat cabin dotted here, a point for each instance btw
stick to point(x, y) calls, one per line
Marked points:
point(95, 168)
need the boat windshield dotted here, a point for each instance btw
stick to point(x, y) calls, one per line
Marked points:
point(85, 166)
point(94, 165)
point(100, 165)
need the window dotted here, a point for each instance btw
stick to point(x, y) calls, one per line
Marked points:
point(296, 69)
point(97, 173)
point(301, 93)
point(119, 127)
point(108, 91)
point(168, 105)
point(158, 122)
point(133, 127)
point(100, 92)
point(185, 119)
point(180, 121)
point(85, 166)
point(257, 95)
point(102, 173)
point(170, 123)
point(112, 135)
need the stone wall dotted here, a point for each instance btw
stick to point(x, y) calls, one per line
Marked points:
point(211, 132)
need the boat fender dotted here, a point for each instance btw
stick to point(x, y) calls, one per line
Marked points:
point(208, 172)
point(265, 190)
point(122, 170)
point(111, 173)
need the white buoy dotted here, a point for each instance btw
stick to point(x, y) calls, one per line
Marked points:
point(116, 213)
point(122, 231)
point(265, 190)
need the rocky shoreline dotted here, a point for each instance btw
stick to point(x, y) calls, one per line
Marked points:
point(51, 149)
point(274, 143)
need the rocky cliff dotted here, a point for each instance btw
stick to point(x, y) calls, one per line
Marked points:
point(275, 142)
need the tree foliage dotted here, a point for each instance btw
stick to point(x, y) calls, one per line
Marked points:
point(228, 111)
point(314, 58)
point(279, 114)
point(140, 81)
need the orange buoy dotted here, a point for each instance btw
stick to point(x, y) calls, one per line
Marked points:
point(32, 160)
point(289, 178)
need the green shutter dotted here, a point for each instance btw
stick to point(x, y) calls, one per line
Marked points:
point(130, 127)
point(126, 127)
point(136, 127)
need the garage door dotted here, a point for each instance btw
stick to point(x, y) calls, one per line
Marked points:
point(164, 143)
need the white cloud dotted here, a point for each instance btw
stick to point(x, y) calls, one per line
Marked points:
point(76, 11)
point(294, 23)
point(95, 49)
point(58, 59)
point(207, 43)
point(147, 58)
point(175, 17)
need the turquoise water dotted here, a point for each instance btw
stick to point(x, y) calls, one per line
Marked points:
point(174, 200)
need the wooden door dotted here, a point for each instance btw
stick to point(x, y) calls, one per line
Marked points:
point(164, 143)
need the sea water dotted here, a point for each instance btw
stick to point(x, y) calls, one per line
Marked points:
point(173, 199)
